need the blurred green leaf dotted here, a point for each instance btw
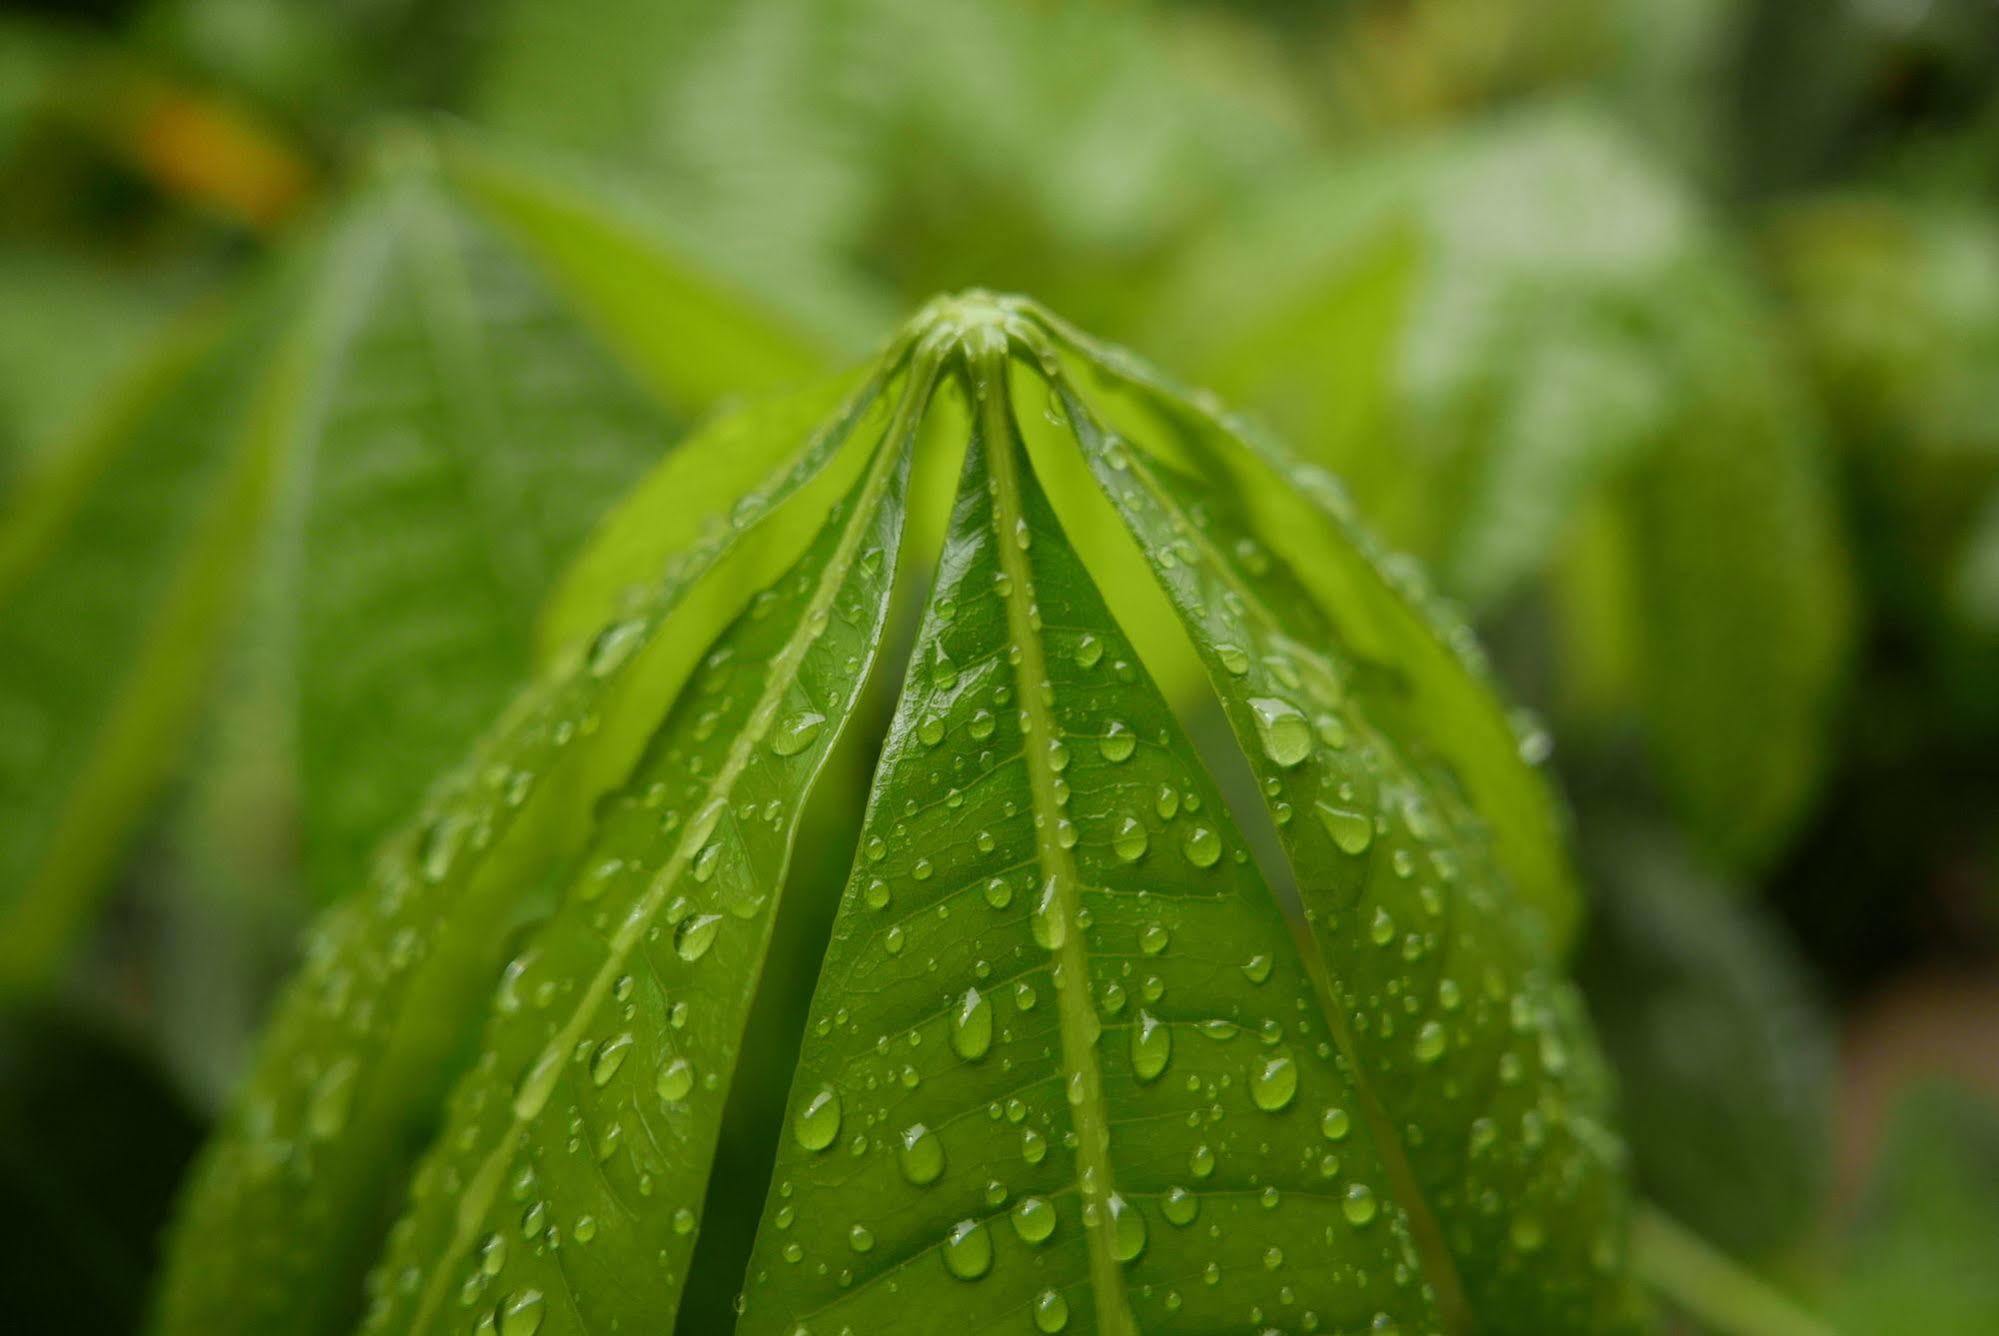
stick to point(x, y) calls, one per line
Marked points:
point(1919, 1260)
point(1533, 361)
point(406, 448)
point(120, 564)
point(1722, 1053)
point(89, 325)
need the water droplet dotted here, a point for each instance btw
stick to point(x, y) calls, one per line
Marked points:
point(1127, 1229)
point(981, 724)
point(493, 1254)
point(972, 1026)
point(1202, 846)
point(861, 1239)
point(1180, 1207)
point(1273, 1081)
point(921, 1155)
point(819, 1120)
point(1359, 1206)
point(1089, 651)
point(676, 1081)
point(695, 935)
point(1051, 925)
point(1033, 1219)
point(1154, 939)
point(1151, 1046)
point(999, 893)
point(1166, 802)
point(1233, 659)
point(1352, 831)
point(968, 1250)
point(1201, 1161)
point(1257, 968)
point(1119, 742)
point(609, 1057)
point(1131, 840)
point(930, 731)
point(1051, 1311)
point(1334, 1124)
point(521, 1313)
point(796, 733)
point(1282, 729)
point(613, 646)
point(1430, 1042)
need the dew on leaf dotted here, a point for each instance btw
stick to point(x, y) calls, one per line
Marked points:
point(818, 1122)
point(921, 1155)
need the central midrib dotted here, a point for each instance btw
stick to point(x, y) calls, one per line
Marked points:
point(484, 1183)
point(1084, 1083)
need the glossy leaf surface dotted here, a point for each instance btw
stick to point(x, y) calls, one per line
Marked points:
point(1069, 1067)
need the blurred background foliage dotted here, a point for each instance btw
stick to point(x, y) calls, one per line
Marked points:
point(1665, 336)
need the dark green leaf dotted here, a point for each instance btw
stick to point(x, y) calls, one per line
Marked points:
point(1723, 1055)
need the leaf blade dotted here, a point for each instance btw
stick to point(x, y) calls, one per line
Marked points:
point(867, 1216)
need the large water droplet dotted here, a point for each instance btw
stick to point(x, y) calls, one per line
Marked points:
point(610, 1056)
point(1180, 1206)
point(695, 935)
point(818, 1121)
point(1051, 1311)
point(968, 1250)
point(1033, 1219)
point(796, 733)
point(1352, 831)
point(972, 1026)
point(613, 646)
point(1127, 1229)
point(1282, 729)
point(1359, 1206)
point(1151, 1046)
point(1050, 925)
point(1131, 839)
point(1202, 846)
point(1273, 1081)
point(521, 1313)
point(921, 1155)
point(676, 1081)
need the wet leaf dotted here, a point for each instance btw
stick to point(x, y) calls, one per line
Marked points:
point(1068, 1065)
point(282, 1215)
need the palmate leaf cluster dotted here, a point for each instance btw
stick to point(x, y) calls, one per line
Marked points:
point(1067, 1066)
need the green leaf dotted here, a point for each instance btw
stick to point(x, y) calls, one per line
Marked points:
point(1068, 1065)
point(1476, 1063)
point(1915, 1260)
point(454, 437)
point(120, 563)
point(1065, 1036)
point(1724, 1055)
point(281, 1218)
point(398, 441)
point(654, 960)
point(1541, 369)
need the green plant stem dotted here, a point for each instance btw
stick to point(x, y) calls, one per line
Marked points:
point(1723, 1295)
